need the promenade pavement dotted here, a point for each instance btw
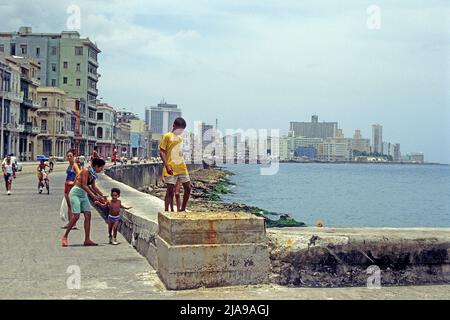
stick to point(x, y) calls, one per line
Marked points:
point(33, 265)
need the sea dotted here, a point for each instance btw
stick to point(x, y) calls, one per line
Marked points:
point(347, 194)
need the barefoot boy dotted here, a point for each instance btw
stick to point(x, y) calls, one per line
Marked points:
point(114, 219)
point(175, 168)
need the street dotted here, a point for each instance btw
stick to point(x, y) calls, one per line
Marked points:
point(35, 266)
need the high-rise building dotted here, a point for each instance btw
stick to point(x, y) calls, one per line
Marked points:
point(67, 61)
point(160, 119)
point(377, 138)
point(359, 144)
point(397, 154)
point(314, 129)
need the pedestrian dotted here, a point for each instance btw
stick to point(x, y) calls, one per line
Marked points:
point(175, 168)
point(95, 153)
point(71, 173)
point(84, 189)
point(114, 219)
point(40, 173)
point(114, 156)
point(8, 173)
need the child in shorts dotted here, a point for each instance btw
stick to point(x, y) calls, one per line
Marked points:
point(114, 219)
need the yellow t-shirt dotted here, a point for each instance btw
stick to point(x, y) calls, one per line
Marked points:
point(172, 144)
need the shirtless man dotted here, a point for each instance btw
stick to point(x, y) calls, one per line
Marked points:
point(114, 219)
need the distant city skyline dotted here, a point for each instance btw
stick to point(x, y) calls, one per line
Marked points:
point(260, 64)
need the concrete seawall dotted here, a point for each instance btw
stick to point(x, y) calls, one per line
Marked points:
point(310, 257)
point(141, 175)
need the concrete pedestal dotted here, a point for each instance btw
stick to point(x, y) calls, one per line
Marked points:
point(199, 249)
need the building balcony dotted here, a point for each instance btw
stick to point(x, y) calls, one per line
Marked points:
point(93, 76)
point(35, 82)
point(78, 136)
point(8, 126)
point(43, 133)
point(93, 61)
point(35, 105)
point(61, 134)
point(20, 127)
point(12, 96)
point(28, 127)
point(35, 130)
point(93, 91)
point(27, 103)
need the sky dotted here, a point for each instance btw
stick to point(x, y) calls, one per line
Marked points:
point(263, 63)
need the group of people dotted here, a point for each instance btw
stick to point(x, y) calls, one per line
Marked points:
point(80, 186)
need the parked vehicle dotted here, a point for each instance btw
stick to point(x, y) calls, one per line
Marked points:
point(135, 160)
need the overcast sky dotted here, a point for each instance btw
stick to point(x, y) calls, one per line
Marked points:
point(261, 64)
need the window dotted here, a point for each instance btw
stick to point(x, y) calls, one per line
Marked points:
point(53, 51)
point(23, 48)
point(2, 48)
point(65, 64)
point(100, 116)
point(43, 125)
point(53, 82)
point(78, 51)
point(65, 80)
point(38, 52)
point(99, 132)
point(78, 82)
point(13, 48)
point(54, 67)
point(78, 67)
point(44, 102)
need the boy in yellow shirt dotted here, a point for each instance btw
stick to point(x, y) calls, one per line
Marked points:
point(175, 168)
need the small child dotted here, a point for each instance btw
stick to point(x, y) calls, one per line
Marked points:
point(114, 219)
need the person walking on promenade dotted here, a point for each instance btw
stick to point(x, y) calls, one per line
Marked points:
point(71, 173)
point(95, 153)
point(8, 173)
point(84, 187)
point(175, 168)
point(40, 173)
point(114, 218)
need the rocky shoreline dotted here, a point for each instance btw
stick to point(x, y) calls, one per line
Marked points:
point(207, 187)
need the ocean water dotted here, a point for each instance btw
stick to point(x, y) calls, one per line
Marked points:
point(348, 195)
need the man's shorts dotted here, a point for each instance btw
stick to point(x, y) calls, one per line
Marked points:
point(183, 178)
point(79, 201)
point(8, 178)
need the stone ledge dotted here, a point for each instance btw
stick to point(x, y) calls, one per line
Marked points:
point(210, 265)
point(179, 228)
point(332, 257)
